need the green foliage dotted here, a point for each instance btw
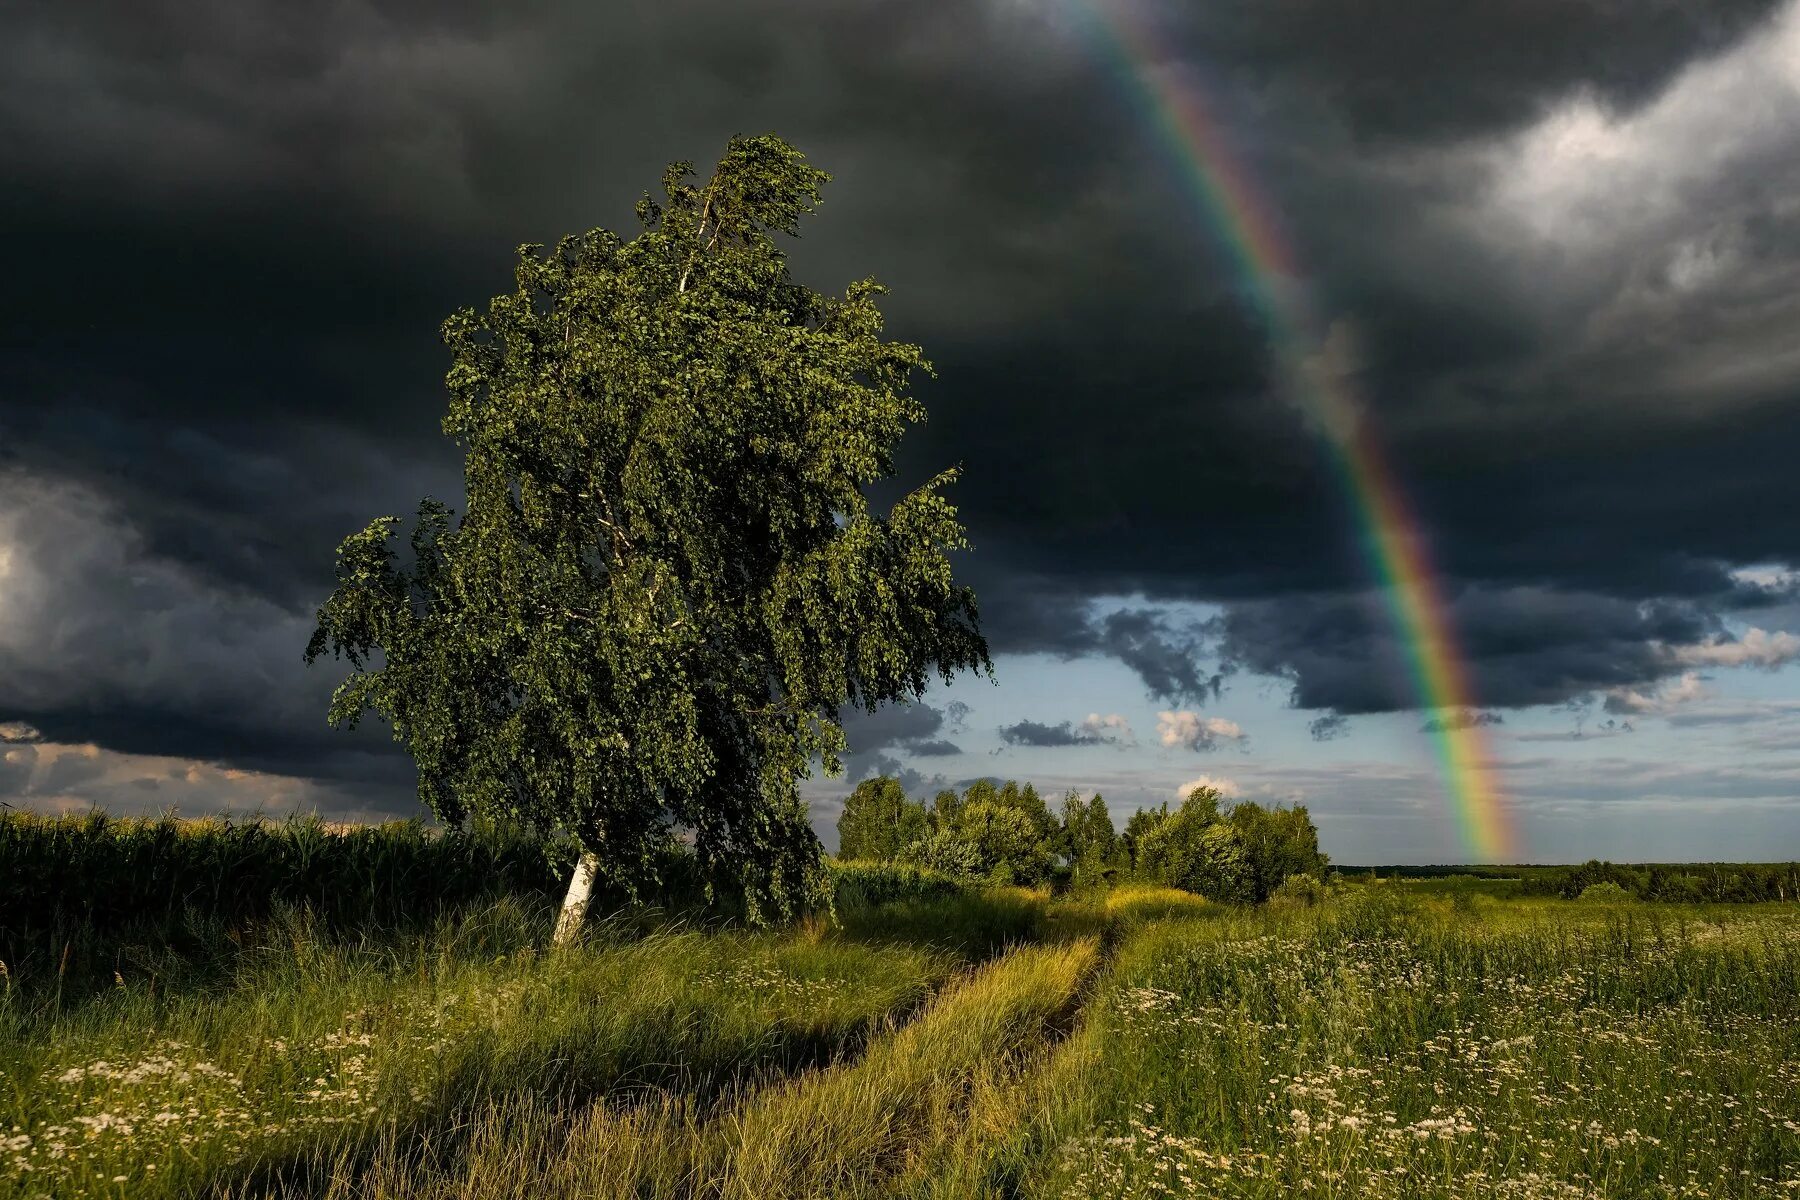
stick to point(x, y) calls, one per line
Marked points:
point(1678, 883)
point(1137, 827)
point(1304, 891)
point(944, 850)
point(878, 820)
point(862, 884)
point(1237, 857)
point(1605, 893)
point(1088, 840)
point(1279, 844)
point(1007, 842)
point(667, 579)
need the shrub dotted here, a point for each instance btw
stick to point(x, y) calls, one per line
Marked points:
point(944, 852)
point(862, 884)
point(1303, 890)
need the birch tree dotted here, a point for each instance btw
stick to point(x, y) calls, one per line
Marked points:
point(666, 581)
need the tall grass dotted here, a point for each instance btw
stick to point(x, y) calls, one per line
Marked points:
point(848, 1129)
point(1381, 1040)
point(85, 899)
point(320, 1047)
point(1385, 1047)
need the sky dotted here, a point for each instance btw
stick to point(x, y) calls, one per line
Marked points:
point(1556, 244)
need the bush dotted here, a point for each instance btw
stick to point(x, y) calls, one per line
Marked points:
point(860, 884)
point(942, 851)
point(1607, 892)
point(1301, 890)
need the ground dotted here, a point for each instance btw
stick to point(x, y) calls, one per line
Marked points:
point(1393, 1040)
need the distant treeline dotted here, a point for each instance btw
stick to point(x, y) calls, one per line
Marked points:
point(1701, 883)
point(1006, 834)
point(1714, 883)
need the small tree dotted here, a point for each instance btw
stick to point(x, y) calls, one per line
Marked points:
point(944, 807)
point(878, 820)
point(1239, 857)
point(1005, 841)
point(1089, 842)
point(667, 579)
point(1173, 850)
point(1278, 843)
point(1137, 827)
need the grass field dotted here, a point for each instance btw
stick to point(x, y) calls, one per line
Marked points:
point(1395, 1040)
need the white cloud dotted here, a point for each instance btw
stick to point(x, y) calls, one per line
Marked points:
point(1113, 727)
point(1225, 787)
point(1195, 732)
point(18, 731)
point(1757, 648)
point(1640, 237)
point(1585, 177)
point(1657, 701)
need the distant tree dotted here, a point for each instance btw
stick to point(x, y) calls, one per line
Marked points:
point(878, 820)
point(982, 791)
point(1239, 857)
point(1278, 842)
point(1174, 848)
point(1027, 801)
point(1137, 826)
point(1005, 840)
point(667, 578)
point(1088, 841)
point(944, 807)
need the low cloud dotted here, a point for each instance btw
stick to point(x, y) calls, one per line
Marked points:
point(1225, 787)
point(1325, 728)
point(19, 731)
point(902, 728)
point(1111, 728)
point(1094, 730)
point(1195, 732)
point(1757, 648)
point(56, 777)
point(1657, 701)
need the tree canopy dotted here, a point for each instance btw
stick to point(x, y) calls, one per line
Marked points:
point(878, 820)
point(666, 580)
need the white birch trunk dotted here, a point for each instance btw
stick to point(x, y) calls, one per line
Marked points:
point(575, 904)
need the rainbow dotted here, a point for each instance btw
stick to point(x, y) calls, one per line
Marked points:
point(1392, 540)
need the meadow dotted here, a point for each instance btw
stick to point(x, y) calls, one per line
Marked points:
point(927, 1040)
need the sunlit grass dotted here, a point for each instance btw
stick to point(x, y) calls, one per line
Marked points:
point(326, 1044)
point(1380, 1048)
point(1372, 1040)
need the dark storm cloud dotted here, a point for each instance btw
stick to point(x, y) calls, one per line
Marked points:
point(1034, 733)
point(1328, 727)
point(1419, 70)
point(233, 234)
point(876, 739)
point(1525, 646)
